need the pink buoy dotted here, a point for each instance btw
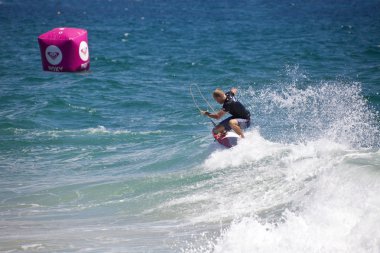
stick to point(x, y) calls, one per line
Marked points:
point(64, 50)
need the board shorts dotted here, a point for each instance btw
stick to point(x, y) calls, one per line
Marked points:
point(243, 123)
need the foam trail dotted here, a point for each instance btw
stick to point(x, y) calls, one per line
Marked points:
point(319, 196)
point(312, 187)
point(341, 216)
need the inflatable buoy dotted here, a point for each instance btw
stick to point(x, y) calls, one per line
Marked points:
point(64, 50)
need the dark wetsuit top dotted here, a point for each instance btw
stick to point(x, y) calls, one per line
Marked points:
point(235, 108)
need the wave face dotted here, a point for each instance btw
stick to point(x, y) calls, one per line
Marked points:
point(315, 196)
point(309, 187)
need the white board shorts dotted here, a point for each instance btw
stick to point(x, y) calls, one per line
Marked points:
point(243, 123)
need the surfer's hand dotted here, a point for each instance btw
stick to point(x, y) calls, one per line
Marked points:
point(205, 113)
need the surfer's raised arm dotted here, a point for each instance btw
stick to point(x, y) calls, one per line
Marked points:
point(233, 91)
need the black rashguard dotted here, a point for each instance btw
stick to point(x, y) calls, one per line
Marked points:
point(234, 107)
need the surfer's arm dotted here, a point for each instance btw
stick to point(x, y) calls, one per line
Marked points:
point(217, 115)
point(233, 91)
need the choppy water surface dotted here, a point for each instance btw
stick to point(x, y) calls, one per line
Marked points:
point(118, 159)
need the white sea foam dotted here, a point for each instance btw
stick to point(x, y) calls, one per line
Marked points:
point(342, 215)
point(102, 130)
point(315, 197)
point(34, 246)
point(315, 191)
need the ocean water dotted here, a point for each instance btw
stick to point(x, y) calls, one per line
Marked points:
point(119, 160)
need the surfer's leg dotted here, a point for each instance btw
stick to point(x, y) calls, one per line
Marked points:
point(218, 129)
point(234, 124)
point(222, 127)
point(243, 123)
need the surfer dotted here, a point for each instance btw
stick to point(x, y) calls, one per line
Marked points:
point(240, 117)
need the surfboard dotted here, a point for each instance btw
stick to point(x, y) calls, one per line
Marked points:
point(229, 140)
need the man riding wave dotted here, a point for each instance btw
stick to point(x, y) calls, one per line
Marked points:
point(240, 117)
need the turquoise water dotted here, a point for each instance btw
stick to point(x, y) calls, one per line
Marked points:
point(119, 160)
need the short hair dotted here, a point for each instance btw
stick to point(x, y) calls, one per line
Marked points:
point(218, 93)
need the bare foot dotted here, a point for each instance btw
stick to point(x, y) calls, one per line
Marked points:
point(222, 134)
